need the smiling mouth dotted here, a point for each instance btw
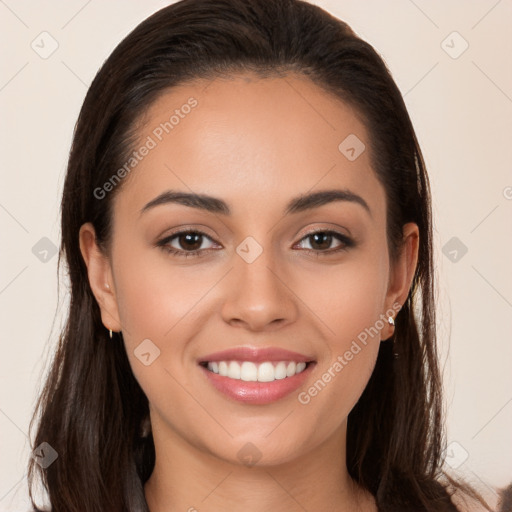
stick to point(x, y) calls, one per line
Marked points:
point(248, 371)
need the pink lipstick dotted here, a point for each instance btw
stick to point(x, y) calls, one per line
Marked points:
point(256, 375)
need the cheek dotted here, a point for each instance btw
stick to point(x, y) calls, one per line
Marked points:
point(349, 303)
point(162, 304)
point(349, 299)
point(340, 378)
point(153, 296)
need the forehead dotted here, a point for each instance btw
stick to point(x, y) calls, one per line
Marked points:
point(250, 140)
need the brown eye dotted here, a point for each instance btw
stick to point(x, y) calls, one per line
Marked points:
point(186, 243)
point(190, 241)
point(320, 242)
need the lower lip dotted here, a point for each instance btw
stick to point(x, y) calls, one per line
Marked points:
point(257, 392)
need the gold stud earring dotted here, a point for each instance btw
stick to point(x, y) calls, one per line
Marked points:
point(391, 320)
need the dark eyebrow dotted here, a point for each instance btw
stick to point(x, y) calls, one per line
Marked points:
point(203, 202)
point(215, 205)
point(316, 199)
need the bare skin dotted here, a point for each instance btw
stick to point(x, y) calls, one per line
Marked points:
point(255, 144)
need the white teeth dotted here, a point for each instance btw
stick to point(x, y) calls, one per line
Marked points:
point(223, 368)
point(249, 372)
point(266, 372)
point(234, 370)
point(253, 372)
point(300, 367)
point(213, 367)
point(290, 369)
point(280, 371)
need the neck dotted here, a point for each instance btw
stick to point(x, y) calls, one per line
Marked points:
point(186, 478)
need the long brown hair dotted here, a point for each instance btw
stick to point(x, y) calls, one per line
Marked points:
point(92, 409)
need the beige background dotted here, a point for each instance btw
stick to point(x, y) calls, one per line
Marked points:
point(462, 111)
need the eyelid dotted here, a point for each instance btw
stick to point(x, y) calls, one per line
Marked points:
point(184, 230)
point(322, 229)
point(347, 242)
point(187, 228)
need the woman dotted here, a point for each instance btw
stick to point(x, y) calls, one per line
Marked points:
point(246, 222)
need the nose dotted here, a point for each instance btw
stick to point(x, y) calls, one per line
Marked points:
point(258, 296)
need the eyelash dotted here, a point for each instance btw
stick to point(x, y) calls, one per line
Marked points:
point(347, 243)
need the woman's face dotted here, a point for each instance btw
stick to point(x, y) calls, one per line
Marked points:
point(264, 294)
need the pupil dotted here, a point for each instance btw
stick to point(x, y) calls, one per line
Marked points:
point(190, 243)
point(325, 236)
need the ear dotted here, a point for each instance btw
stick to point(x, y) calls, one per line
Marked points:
point(100, 277)
point(402, 272)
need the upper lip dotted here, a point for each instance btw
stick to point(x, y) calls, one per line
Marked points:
point(256, 355)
